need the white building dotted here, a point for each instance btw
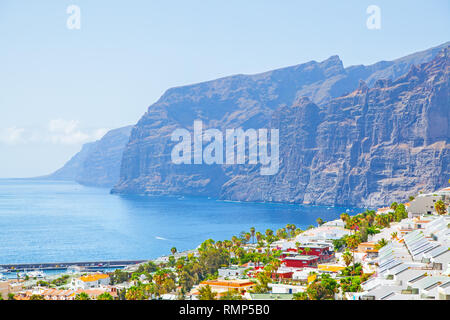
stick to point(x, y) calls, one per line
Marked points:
point(285, 288)
point(90, 281)
point(232, 272)
point(423, 204)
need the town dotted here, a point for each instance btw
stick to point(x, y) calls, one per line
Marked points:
point(400, 252)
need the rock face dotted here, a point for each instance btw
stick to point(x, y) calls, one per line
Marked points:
point(373, 146)
point(336, 147)
point(98, 163)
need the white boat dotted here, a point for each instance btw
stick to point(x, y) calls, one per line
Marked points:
point(2, 277)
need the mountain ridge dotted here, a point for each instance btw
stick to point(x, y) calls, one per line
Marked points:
point(235, 101)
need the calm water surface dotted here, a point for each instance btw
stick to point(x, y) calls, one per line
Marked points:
point(53, 221)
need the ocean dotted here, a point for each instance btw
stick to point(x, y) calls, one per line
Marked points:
point(57, 221)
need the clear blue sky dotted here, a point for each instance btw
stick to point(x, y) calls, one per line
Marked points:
point(61, 87)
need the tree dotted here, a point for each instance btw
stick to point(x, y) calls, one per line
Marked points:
point(381, 243)
point(252, 232)
point(351, 284)
point(394, 205)
point(135, 293)
point(263, 279)
point(347, 257)
point(319, 221)
point(82, 296)
point(205, 293)
point(258, 236)
point(440, 207)
point(322, 288)
point(339, 243)
point(300, 296)
point(11, 296)
point(344, 217)
point(120, 276)
point(352, 242)
point(105, 296)
point(394, 235)
point(173, 250)
point(37, 297)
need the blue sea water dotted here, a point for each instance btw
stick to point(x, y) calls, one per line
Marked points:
point(54, 221)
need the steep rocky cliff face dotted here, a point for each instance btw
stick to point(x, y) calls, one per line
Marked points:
point(98, 163)
point(336, 147)
point(371, 147)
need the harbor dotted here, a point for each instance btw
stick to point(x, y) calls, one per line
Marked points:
point(61, 266)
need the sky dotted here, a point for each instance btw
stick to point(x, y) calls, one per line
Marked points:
point(63, 86)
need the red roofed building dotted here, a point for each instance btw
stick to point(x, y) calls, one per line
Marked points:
point(301, 261)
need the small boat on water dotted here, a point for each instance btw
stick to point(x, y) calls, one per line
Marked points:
point(2, 277)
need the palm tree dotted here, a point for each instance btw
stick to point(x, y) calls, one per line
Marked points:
point(440, 207)
point(252, 232)
point(319, 221)
point(347, 257)
point(247, 237)
point(394, 235)
point(352, 243)
point(380, 244)
point(105, 296)
point(344, 217)
point(258, 236)
point(293, 229)
point(394, 205)
point(278, 233)
point(173, 250)
point(82, 296)
point(134, 293)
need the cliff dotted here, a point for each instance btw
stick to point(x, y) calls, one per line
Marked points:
point(371, 147)
point(337, 145)
point(98, 163)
